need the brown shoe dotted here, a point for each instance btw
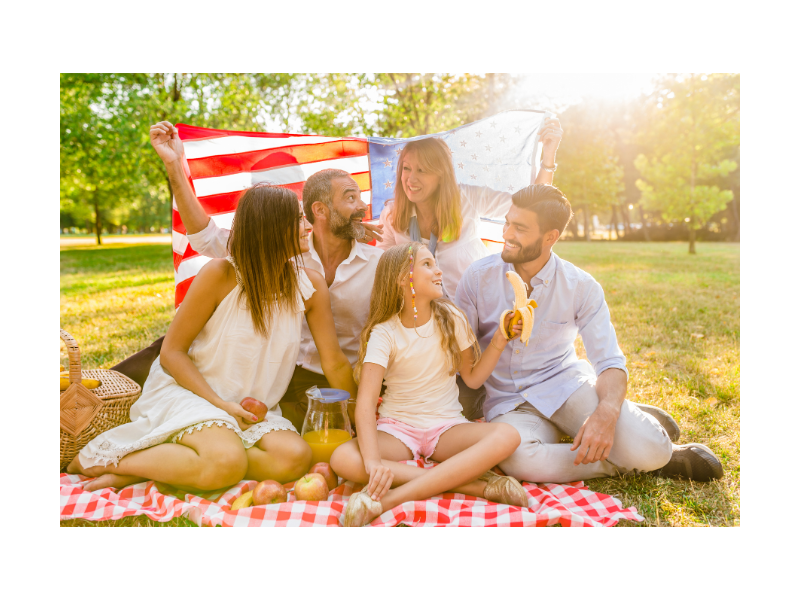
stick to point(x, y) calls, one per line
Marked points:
point(692, 461)
point(504, 490)
point(361, 510)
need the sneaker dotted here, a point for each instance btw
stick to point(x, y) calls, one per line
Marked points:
point(664, 418)
point(361, 510)
point(692, 461)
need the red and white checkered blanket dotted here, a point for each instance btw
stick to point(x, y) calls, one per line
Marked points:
point(571, 505)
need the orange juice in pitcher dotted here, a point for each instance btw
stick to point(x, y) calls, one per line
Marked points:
point(323, 443)
point(327, 424)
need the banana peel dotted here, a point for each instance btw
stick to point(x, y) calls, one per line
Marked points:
point(243, 501)
point(522, 311)
point(89, 384)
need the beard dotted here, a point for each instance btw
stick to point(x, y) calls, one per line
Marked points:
point(344, 228)
point(524, 254)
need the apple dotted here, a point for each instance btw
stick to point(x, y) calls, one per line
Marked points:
point(327, 472)
point(269, 492)
point(258, 408)
point(311, 486)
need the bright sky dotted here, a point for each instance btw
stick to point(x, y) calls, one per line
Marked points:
point(565, 89)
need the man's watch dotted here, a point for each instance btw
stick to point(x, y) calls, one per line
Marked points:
point(550, 169)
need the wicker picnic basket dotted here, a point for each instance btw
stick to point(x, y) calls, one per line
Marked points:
point(85, 414)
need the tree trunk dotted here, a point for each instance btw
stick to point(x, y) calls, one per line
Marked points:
point(586, 224)
point(613, 223)
point(98, 222)
point(692, 236)
point(644, 224)
point(625, 217)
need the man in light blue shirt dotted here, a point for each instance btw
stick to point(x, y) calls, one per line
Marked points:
point(544, 389)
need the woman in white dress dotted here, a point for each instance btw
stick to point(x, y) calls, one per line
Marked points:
point(431, 207)
point(236, 335)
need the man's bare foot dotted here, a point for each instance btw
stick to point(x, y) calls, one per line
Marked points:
point(110, 480)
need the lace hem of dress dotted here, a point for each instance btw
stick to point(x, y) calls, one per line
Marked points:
point(251, 435)
point(176, 437)
point(109, 452)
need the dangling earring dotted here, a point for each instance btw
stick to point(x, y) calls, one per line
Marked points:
point(411, 283)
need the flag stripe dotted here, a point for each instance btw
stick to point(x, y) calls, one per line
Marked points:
point(280, 176)
point(260, 160)
point(226, 203)
point(190, 267)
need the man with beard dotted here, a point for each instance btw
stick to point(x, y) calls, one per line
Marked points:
point(542, 388)
point(332, 204)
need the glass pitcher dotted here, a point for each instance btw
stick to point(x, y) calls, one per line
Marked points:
point(327, 424)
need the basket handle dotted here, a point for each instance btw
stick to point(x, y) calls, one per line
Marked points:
point(74, 357)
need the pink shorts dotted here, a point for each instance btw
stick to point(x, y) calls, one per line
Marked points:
point(421, 442)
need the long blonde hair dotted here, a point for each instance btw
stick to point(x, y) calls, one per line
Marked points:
point(264, 237)
point(434, 156)
point(387, 301)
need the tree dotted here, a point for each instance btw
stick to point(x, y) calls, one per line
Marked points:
point(108, 174)
point(692, 133)
point(588, 171)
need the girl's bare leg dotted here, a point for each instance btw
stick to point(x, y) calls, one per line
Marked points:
point(279, 455)
point(206, 459)
point(348, 463)
point(466, 452)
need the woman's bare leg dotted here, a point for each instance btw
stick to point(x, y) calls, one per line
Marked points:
point(280, 455)
point(206, 459)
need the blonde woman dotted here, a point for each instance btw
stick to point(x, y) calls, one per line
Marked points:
point(416, 340)
point(431, 207)
point(236, 335)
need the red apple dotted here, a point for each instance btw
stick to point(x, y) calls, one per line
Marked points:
point(258, 408)
point(311, 486)
point(327, 472)
point(269, 492)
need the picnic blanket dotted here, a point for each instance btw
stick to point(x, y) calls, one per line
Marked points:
point(570, 505)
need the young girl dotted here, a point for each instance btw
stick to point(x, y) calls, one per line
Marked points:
point(236, 335)
point(416, 340)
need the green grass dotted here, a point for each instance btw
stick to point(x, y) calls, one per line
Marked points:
point(117, 299)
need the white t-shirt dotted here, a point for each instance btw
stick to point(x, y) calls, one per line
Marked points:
point(419, 389)
point(453, 258)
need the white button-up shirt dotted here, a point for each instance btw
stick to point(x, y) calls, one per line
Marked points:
point(454, 257)
point(350, 291)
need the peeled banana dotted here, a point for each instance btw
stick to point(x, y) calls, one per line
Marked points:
point(522, 311)
point(243, 501)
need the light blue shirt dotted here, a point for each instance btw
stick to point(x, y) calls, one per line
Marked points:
point(548, 370)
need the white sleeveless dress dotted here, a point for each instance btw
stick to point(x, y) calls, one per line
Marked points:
point(236, 362)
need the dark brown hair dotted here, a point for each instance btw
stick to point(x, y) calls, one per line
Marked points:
point(551, 206)
point(318, 188)
point(264, 238)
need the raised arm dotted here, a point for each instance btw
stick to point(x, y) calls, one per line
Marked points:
point(164, 139)
point(319, 316)
point(551, 138)
point(475, 375)
point(208, 289)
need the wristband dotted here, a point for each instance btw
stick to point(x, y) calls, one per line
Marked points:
point(492, 343)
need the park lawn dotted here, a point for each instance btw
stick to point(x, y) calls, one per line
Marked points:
point(676, 317)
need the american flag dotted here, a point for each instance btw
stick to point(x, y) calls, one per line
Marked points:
point(496, 152)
